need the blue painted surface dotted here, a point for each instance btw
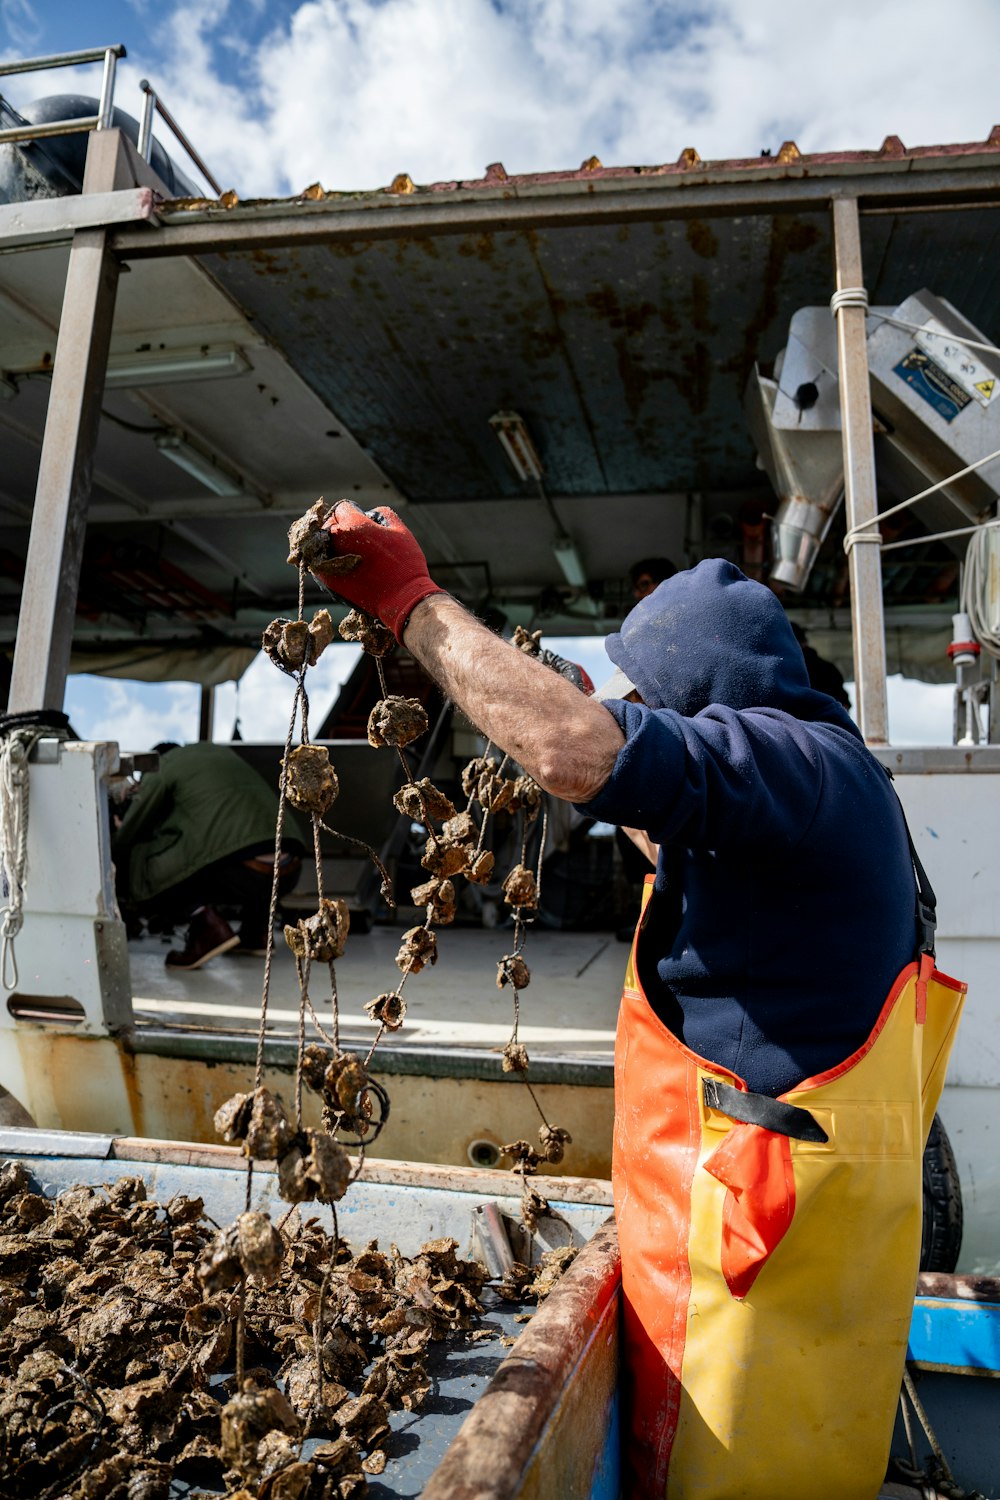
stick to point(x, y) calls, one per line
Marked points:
point(965, 1335)
point(607, 1477)
point(964, 1412)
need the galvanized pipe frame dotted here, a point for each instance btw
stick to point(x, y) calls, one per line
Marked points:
point(15, 133)
point(860, 487)
point(105, 109)
point(59, 60)
point(215, 230)
point(153, 104)
point(49, 222)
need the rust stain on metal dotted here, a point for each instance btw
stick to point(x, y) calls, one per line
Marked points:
point(481, 246)
point(133, 1090)
point(433, 1119)
point(592, 171)
point(958, 1288)
point(627, 323)
point(268, 262)
point(789, 236)
point(702, 239)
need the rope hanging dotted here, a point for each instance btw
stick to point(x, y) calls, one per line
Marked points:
point(862, 534)
point(15, 748)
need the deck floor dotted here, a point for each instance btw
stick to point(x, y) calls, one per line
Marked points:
point(569, 1008)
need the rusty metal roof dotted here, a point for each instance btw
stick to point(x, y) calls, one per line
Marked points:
point(625, 342)
point(619, 310)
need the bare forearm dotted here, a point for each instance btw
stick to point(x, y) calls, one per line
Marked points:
point(566, 741)
point(643, 843)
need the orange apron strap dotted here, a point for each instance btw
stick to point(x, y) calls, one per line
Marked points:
point(924, 975)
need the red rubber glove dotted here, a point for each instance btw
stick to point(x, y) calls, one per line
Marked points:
point(392, 577)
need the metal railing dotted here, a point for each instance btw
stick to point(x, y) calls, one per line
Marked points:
point(153, 104)
point(100, 121)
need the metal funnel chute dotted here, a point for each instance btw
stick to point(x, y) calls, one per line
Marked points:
point(806, 470)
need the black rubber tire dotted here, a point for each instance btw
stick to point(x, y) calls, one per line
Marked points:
point(941, 1240)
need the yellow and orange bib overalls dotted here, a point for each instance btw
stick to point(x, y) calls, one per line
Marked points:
point(770, 1250)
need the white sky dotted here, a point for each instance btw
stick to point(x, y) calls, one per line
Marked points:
point(277, 94)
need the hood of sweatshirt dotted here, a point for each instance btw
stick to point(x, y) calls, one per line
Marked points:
point(710, 635)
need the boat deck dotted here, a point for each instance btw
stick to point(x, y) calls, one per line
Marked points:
point(569, 1009)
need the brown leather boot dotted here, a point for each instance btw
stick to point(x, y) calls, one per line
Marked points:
point(208, 935)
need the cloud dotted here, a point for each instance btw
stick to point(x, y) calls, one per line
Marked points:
point(140, 714)
point(350, 92)
point(137, 715)
point(353, 92)
point(264, 703)
point(20, 23)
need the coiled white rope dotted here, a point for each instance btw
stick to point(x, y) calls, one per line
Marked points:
point(849, 296)
point(15, 748)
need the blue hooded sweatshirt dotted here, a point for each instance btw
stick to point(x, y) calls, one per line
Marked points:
point(783, 906)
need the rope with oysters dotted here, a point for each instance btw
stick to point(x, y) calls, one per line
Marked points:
point(313, 1165)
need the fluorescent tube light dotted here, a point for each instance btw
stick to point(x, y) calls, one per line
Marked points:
point(515, 440)
point(207, 470)
point(569, 560)
point(174, 366)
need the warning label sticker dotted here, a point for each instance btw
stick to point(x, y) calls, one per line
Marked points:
point(965, 366)
point(933, 383)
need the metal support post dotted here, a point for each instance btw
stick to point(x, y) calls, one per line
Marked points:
point(206, 713)
point(55, 549)
point(861, 495)
point(106, 108)
point(145, 140)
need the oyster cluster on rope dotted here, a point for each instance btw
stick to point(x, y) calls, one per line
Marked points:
point(311, 1164)
point(111, 1391)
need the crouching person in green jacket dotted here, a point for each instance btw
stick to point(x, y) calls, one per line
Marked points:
point(199, 834)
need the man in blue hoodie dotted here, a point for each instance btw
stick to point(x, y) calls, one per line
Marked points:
point(778, 961)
